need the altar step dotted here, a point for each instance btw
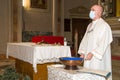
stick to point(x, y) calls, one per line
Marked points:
point(4, 62)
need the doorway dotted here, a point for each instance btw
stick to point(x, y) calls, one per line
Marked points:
point(78, 30)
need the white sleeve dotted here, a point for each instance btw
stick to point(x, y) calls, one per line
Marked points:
point(102, 44)
point(83, 44)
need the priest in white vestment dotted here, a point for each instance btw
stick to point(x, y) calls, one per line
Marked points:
point(95, 45)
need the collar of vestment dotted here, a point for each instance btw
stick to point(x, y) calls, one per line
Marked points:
point(92, 25)
point(94, 22)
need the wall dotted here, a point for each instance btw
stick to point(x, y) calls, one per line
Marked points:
point(69, 4)
point(38, 20)
point(35, 20)
point(74, 4)
point(5, 24)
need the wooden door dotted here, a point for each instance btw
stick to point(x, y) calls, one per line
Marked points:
point(78, 30)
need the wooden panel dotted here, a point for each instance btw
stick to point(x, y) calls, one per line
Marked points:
point(118, 8)
point(27, 69)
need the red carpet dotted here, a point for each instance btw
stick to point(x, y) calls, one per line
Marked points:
point(115, 57)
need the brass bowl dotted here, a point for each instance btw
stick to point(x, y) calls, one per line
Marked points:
point(71, 63)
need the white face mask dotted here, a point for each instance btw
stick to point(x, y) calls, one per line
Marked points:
point(92, 14)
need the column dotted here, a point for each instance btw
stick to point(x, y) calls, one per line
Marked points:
point(58, 17)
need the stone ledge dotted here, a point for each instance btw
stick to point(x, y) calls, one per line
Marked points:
point(5, 62)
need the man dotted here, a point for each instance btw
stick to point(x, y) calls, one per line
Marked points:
point(95, 45)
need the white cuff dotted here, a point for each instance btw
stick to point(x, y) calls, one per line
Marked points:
point(81, 51)
point(96, 54)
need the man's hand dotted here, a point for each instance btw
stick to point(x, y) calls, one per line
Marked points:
point(82, 55)
point(89, 56)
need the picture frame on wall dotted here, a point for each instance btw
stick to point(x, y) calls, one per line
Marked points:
point(40, 5)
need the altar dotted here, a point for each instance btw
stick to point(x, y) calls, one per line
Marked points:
point(57, 72)
point(33, 59)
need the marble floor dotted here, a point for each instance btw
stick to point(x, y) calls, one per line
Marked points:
point(115, 65)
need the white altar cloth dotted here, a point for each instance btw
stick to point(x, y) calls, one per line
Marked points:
point(37, 54)
point(57, 72)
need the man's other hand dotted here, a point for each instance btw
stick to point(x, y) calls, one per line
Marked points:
point(89, 56)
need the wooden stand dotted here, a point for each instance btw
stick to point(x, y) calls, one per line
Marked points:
point(26, 68)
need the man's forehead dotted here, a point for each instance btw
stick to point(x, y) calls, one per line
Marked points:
point(95, 7)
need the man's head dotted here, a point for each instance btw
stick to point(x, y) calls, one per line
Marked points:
point(96, 12)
